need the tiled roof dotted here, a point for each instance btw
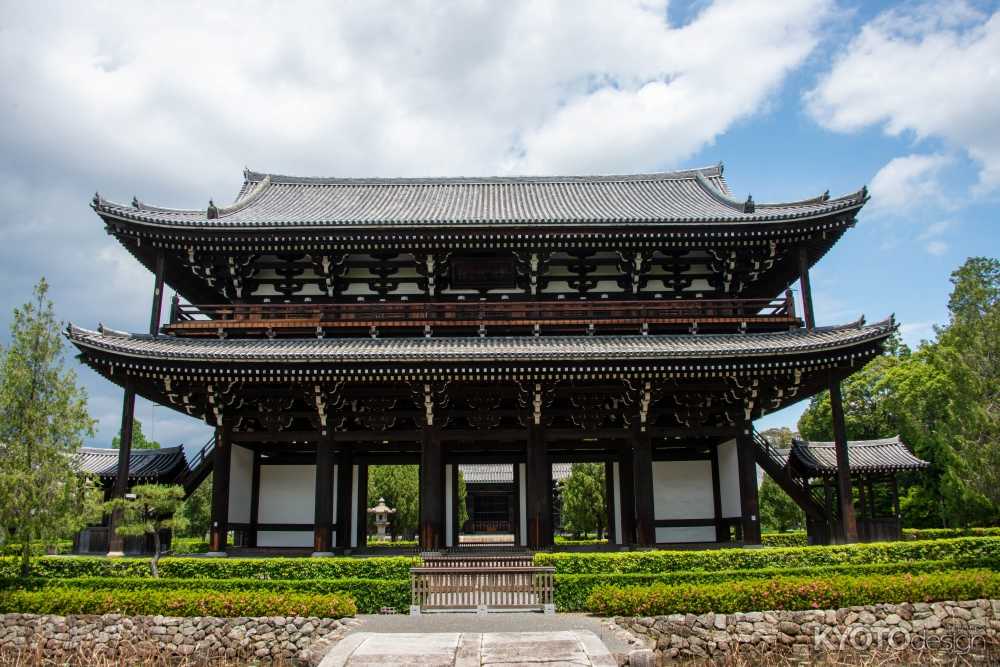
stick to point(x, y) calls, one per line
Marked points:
point(142, 464)
point(502, 473)
point(885, 455)
point(269, 200)
point(499, 349)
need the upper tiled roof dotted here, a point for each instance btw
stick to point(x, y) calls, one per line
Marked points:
point(152, 464)
point(503, 473)
point(499, 349)
point(884, 455)
point(269, 200)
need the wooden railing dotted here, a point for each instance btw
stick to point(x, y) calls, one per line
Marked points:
point(476, 311)
point(469, 587)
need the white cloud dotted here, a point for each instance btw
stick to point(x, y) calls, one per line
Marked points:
point(928, 69)
point(936, 247)
point(907, 182)
point(936, 229)
point(914, 332)
point(170, 101)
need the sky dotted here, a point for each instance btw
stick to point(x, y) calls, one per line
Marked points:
point(170, 101)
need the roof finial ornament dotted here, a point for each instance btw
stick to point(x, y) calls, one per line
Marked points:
point(97, 199)
point(864, 192)
point(135, 202)
point(246, 173)
point(213, 211)
point(722, 168)
point(826, 196)
point(748, 206)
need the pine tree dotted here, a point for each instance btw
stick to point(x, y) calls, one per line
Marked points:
point(584, 505)
point(147, 510)
point(43, 419)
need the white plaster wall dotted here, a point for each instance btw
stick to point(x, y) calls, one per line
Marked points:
point(729, 479)
point(284, 538)
point(240, 484)
point(287, 494)
point(686, 534)
point(682, 490)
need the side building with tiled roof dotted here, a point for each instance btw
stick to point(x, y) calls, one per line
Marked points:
point(325, 325)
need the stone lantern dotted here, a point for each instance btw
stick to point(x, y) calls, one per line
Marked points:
point(381, 513)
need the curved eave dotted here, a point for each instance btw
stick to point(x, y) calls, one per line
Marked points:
point(697, 197)
point(408, 353)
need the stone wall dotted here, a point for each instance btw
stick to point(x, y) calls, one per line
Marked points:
point(286, 639)
point(940, 626)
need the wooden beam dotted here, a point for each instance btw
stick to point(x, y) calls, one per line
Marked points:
point(323, 515)
point(721, 529)
point(431, 491)
point(845, 494)
point(642, 467)
point(116, 543)
point(806, 289)
point(157, 306)
point(219, 531)
point(539, 489)
point(749, 504)
point(345, 491)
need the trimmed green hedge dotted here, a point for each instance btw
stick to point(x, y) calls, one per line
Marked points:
point(63, 601)
point(188, 545)
point(388, 567)
point(792, 593)
point(370, 595)
point(796, 538)
point(572, 590)
point(947, 533)
point(652, 562)
point(13, 549)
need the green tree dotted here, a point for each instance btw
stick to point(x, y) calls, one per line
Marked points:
point(43, 419)
point(139, 440)
point(778, 512)
point(147, 510)
point(197, 510)
point(584, 502)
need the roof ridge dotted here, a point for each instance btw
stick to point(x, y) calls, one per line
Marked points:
point(286, 179)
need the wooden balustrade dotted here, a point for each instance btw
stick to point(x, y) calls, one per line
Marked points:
point(301, 319)
point(472, 587)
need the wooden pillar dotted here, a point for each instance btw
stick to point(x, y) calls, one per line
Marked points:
point(895, 497)
point(154, 316)
point(219, 532)
point(455, 499)
point(721, 531)
point(845, 495)
point(626, 487)
point(609, 494)
point(361, 517)
point(431, 491)
point(642, 475)
point(539, 489)
point(254, 500)
point(323, 515)
point(516, 509)
point(806, 289)
point(345, 494)
point(116, 543)
point(749, 506)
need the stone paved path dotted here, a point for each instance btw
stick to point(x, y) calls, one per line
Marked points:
point(577, 648)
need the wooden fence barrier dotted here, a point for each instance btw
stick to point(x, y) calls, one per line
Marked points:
point(471, 587)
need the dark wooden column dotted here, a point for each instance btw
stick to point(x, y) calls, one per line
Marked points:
point(845, 495)
point(806, 289)
point(154, 316)
point(516, 525)
point(721, 532)
point(345, 496)
point(609, 493)
point(431, 491)
point(361, 518)
point(539, 489)
point(116, 543)
point(219, 532)
point(254, 501)
point(455, 528)
point(749, 506)
point(626, 487)
point(642, 475)
point(323, 516)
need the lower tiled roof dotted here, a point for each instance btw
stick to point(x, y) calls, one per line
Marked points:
point(142, 464)
point(503, 473)
point(474, 349)
point(884, 455)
